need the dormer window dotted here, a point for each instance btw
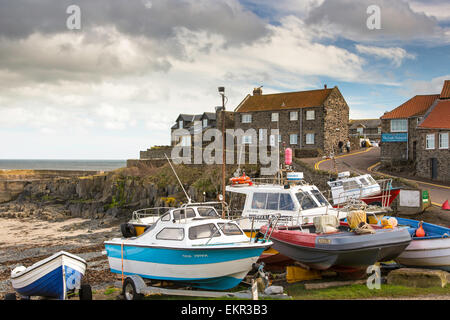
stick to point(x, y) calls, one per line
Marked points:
point(205, 123)
point(180, 124)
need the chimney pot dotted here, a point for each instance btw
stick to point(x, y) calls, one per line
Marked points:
point(257, 91)
point(325, 86)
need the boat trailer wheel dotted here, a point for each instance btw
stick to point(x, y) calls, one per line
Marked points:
point(129, 290)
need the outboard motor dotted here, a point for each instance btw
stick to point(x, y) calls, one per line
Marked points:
point(128, 230)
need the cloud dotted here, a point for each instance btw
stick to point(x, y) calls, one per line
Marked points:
point(396, 54)
point(348, 19)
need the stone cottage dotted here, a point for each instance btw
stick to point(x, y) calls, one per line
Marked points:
point(399, 134)
point(365, 128)
point(433, 153)
point(314, 120)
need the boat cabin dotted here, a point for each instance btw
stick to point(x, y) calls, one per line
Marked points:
point(191, 225)
point(296, 203)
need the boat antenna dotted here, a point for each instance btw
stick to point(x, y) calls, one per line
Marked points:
point(179, 181)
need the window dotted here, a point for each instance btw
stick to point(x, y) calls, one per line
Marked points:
point(203, 231)
point(183, 214)
point(207, 212)
point(230, 229)
point(274, 117)
point(310, 115)
point(350, 185)
point(205, 123)
point(379, 130)
point(166, 217)
point(305, 200)
point(247, 140)
point(171, 234)
point(272, 140)
point(246, 118)
point(430, 141)
point(310, 138)
point(180, 124)
point(443, 140)
point(360, 130)
point(286, 202)
point(186, 141)
point(272, 201)
point(319, 197)
point(399, 125)
point(293, 139)
point(259, 200)
point(261, 134)
point(293, 116)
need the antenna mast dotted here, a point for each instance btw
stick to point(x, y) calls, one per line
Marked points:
point(179, 181)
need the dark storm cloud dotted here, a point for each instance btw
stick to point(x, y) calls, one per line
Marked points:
point(155, 19)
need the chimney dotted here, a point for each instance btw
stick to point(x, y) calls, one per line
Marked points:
point(324, 86)
point(257, 91)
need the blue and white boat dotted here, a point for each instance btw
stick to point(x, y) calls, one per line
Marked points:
point(192, 246)
point(430, 251)
point(52, 277)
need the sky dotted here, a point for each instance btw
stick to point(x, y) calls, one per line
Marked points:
point(116, 85)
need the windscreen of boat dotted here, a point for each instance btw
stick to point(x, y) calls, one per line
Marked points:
point(306, 201)
point(364, 181)
point(183, 213)
point(203, 231)
point(320, 198)
point(372, 180)
point(207, 212)
point(272, 201)
point(171, 234)
point(230, 229)
point(350, 185)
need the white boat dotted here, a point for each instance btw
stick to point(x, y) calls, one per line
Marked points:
point(190, 245)
point(52, 277)
point(295, 202)
point(429, 251)
point(363, 187)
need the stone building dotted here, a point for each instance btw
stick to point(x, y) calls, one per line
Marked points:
point(417, 132)
point(433, 153)
point(365, 128)
point(399, 135)
point(314, 120)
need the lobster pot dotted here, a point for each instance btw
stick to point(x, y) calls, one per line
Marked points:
point(288, 157)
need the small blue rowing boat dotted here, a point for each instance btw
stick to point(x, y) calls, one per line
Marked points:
point(52, 277)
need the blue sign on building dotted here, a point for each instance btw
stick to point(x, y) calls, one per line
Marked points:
point(394, 137)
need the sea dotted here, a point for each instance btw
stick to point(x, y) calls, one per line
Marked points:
point(79, 165)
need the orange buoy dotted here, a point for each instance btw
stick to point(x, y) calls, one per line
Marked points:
point(419, 231)
point(446, 205)
point(241, 180)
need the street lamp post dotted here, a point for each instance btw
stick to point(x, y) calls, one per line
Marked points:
point(222, 93)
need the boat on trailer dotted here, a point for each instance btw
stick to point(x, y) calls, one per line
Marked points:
point(190, 245)
point(53, 277)
point(429, 250)
point(331, 244)
point(363, 187)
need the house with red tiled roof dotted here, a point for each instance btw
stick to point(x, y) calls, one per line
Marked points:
point(312, 121)
point(405, 130)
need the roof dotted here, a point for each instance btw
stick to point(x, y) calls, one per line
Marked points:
point(366, 123)
point(416, 106)
point(284, 101)
point(445, 94)
point(439, 116)
point(209, 115)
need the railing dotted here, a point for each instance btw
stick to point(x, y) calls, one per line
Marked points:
point(276, 181)
point(149, 212)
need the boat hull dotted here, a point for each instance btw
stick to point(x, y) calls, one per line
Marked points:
point(379, 199)
point(52, 277)
point(431, 251)
point(348, 252)
point(218, 268)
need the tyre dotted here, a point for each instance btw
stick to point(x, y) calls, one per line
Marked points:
point(128, 230)
point(129, 290)
point(85, 292)
point(10, 296)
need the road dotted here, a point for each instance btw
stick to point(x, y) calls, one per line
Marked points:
point(367, 161)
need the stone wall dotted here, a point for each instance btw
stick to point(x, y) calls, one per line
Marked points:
point(424, 156)
point(156, 153)
point(336, 121)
